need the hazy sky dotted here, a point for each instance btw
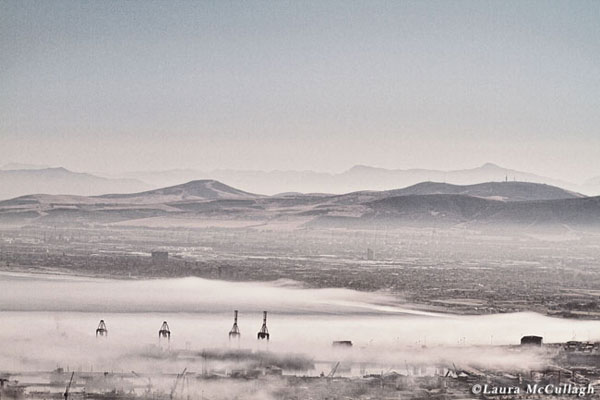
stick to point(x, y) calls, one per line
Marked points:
point(126, 85)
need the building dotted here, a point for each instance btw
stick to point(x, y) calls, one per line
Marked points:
point(342, 343)
point(531, 341)
point(370, 255)
point(160, 257)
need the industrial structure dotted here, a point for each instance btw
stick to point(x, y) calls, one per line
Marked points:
point(342, 343)
point(68, 388)
point(531, 340)
point(164, 331)
point(101, 330)
point(179, 378)
point(264, 332)
point(235, 331)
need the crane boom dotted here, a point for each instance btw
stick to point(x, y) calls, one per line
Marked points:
point(179, 376)
point(333, 370)
point(69, 386)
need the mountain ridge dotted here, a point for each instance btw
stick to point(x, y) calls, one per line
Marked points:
point(199, 189)
point(356, 178)
point(424, 204)
point(59, 180)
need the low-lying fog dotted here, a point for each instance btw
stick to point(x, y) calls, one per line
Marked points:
point(50, 321)
point(193, 295)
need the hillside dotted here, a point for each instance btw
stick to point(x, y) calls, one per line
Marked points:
point(424, 204)
point(195, 190)
point(505, 191)
point(456, 209)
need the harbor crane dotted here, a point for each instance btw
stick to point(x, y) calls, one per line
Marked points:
point(164, 331)
point(101, 330)
point(235, 331)
point(66, 394)
point(177, 379)
point(264, 332)
point(333, 370)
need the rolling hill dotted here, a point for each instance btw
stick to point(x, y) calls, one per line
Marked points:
point(449, 209)
point(425, 204)
point(201, 190)
point(505, 191)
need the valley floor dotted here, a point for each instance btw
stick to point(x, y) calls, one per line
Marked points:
point(443, 270)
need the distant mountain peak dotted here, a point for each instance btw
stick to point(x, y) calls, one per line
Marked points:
point(507, 191)
point(489, 165)
point(199, 182)
point(362, 167)
point(61, 170)
point(59, 180)
point(22, 166)
point(199, 189)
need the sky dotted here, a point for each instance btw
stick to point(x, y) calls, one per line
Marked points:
point(110, 86)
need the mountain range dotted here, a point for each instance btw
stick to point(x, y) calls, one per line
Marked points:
point(359, 177)
point(30, 179)
point(212, 203)
point(23, 179)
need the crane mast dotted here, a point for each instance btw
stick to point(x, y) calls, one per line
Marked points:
point(234, 333)
point(164, 331)
point(101, 330)
point(264, 331)
point(66, 394)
